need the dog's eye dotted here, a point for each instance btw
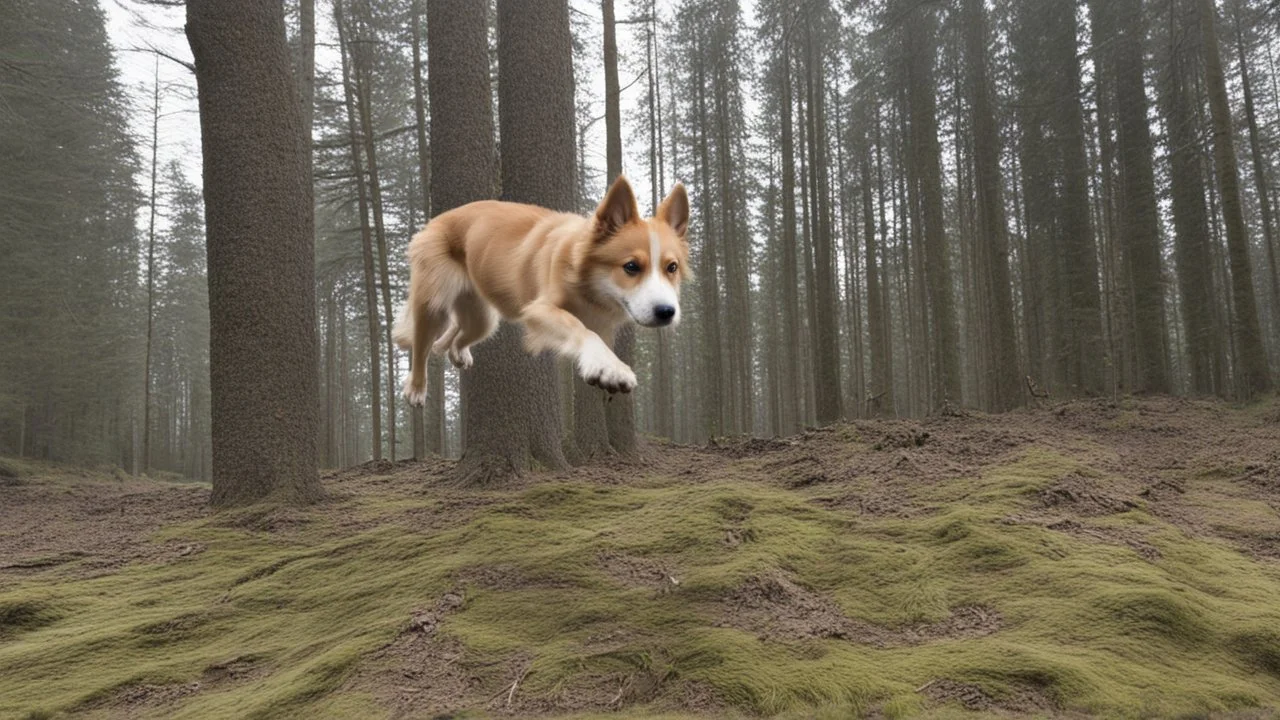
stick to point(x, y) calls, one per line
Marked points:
point(671, 269)
point(632, 267)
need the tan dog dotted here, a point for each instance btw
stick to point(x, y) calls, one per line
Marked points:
point(571, 281)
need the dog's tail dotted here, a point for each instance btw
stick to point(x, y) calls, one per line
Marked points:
point(402, 331)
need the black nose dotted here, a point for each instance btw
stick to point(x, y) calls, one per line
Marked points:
point(664, 313)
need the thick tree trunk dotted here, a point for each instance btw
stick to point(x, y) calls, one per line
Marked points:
point(261, 256)
point(1255, 376)
point(513, 416)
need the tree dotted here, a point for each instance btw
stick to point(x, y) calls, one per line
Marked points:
point(69, 248)
point(1255, 376)
point(918, 27)
point(619, 410)
point(1192, 259)
point(1259, 170)
point(1004, 381)
point(1139, 225)
point(825, 342)
point(512, 408)
point(151, 271)
point(366, 231)
point(591, 424)
point(263, 355)
point(428, 432)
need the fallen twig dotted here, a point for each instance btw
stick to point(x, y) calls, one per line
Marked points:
point(516, 684)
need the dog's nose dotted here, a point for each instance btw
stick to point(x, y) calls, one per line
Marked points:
point(664, 313)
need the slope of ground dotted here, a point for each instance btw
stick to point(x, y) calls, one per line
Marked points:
point(1092, 559)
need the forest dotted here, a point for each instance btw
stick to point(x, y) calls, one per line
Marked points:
point(897, 207)
point(972, 410)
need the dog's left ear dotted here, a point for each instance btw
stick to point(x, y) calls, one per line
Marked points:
point(617, 209)
point(674, 210)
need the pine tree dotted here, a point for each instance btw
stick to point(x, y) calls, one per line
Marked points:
point(263, 359)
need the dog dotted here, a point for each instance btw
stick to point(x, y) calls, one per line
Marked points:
point(570, 280)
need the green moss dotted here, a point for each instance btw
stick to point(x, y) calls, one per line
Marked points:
point(1086, 626)
point(19, 615)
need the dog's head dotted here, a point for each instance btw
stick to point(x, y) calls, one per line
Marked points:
point(639, 262)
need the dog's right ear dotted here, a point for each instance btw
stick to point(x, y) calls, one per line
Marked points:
point(617, 209)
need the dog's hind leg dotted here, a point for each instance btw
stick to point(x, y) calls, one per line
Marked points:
point(428, 323)
point(476, 321)
point(446, 340)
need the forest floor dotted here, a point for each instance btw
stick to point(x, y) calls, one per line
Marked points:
point(1092, 559)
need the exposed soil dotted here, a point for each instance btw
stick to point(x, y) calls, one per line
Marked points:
point(775, 608)
point(131, 700)
point(1022, 701)
point(92, 527)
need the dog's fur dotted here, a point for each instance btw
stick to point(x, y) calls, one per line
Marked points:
point(570, 280)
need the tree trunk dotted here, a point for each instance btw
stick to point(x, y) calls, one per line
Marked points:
point(513, 416)
point(151, 273)
point(825, 349)
point(1004, 382)
point(791, 385)
point(926, 165)
point(432, 418)
point(361, 55)
point(1255, 376)
point(1140, 228)
point(592, 427)
point(1259, 177)
point(663, 420)
point(366, 239)
point(261, 256)
point(1192, 259)
point(1082, 351)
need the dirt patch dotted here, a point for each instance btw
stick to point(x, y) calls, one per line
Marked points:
point(1128, 537)
point(641, 572)
point(129, 700)
point(89, 527)
point(739, 447)
point(1021, 701)
point(777, 609)
point(1084, 496)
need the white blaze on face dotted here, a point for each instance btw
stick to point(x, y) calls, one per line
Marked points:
point(655, 291)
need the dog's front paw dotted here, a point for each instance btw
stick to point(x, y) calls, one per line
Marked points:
point(417, 397)
point(461, 359)
point(607, 372)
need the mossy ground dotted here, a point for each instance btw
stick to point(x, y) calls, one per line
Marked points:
point(1120, 554)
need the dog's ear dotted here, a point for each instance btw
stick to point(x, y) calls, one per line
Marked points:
point(674, 210)
point(617, 209)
